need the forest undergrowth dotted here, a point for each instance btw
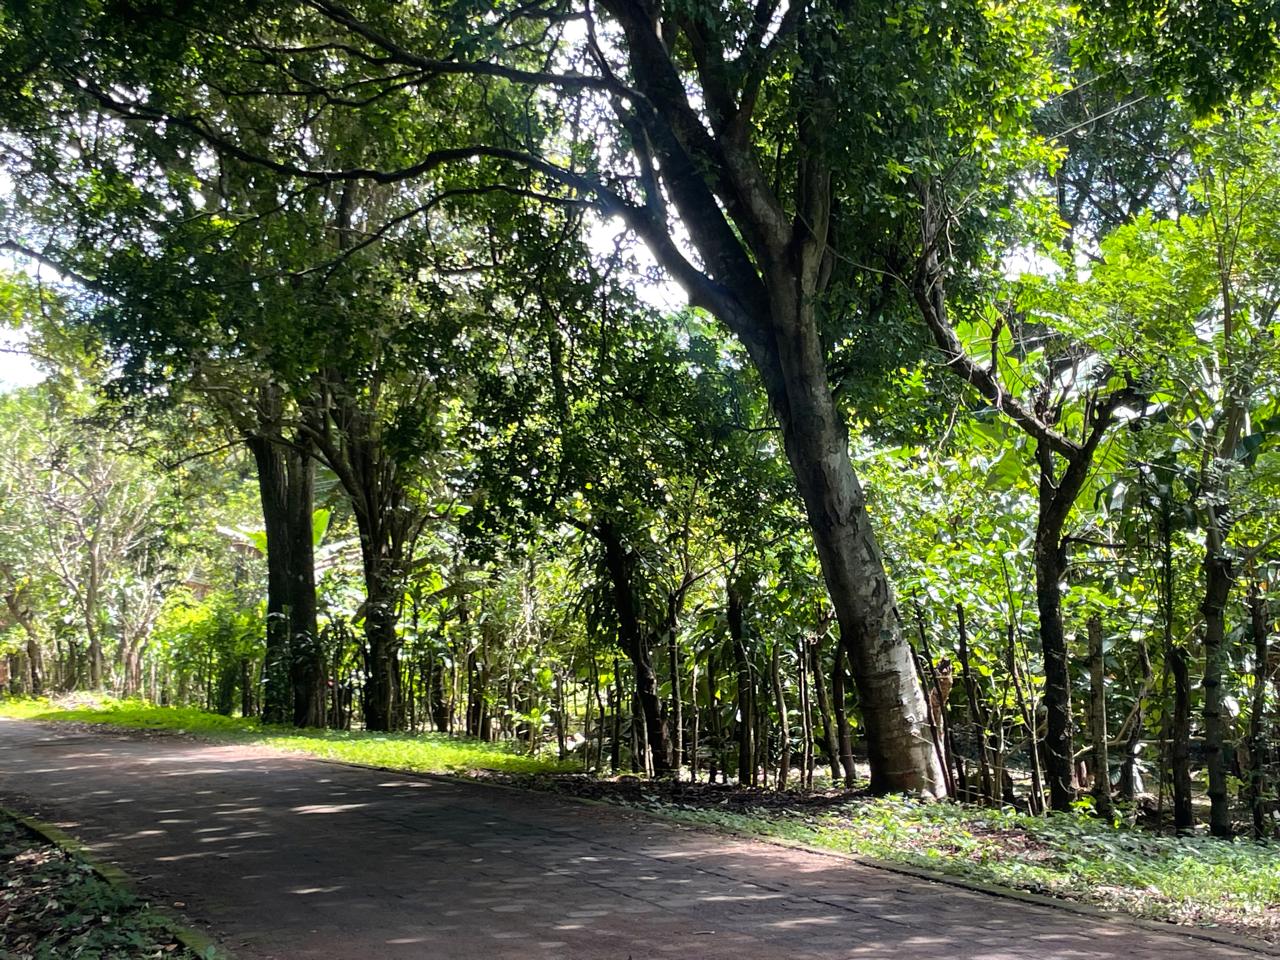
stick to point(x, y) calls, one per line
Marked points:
point(53, 905)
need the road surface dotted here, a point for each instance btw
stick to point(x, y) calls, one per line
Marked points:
point(288, 858)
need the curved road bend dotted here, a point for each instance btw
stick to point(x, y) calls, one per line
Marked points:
point(287, 858)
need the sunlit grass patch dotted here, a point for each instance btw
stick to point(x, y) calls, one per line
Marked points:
point(420, 753)
point(1193, 880)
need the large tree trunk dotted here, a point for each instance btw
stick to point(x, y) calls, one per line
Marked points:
point(347, 437)
point(306, 660)
point(277, 697)
point(635, 644)
point(1050, 567)
point(767, 263)
point(384, 520)
point(1218, 580)
point(131, 665)
point(381, 701)
point(293, 670)
point(894, 713)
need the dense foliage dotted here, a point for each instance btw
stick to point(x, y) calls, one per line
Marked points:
point(370, 402)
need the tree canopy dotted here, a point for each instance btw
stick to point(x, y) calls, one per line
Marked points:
point(706, 387)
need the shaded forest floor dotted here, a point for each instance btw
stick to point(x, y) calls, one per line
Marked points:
point(52, 905)
point(1190, 880)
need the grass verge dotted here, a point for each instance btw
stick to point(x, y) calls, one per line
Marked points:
point(53, 905)
point(420, 753)
point(1197, 881)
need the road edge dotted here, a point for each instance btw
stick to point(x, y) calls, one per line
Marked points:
point(1223, 938)
point(194, 940)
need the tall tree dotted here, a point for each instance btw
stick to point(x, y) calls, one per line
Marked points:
point(755, 128)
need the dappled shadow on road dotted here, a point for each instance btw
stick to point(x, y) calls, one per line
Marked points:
point(292, 858)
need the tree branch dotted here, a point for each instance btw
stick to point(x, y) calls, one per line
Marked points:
point(397, 53)
point(928, 291)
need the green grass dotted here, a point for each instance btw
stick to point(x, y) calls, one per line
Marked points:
point(419, 753)
point(1190, 880)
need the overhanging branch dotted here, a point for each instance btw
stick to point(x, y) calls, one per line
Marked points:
point(928, 291)
point(397, 53)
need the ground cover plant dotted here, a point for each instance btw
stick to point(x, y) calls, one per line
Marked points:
point(54, 907)
point(1199, 881)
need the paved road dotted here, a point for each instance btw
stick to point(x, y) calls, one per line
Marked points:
point(286, 858)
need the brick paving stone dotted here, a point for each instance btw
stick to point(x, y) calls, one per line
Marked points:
point(285, 858)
